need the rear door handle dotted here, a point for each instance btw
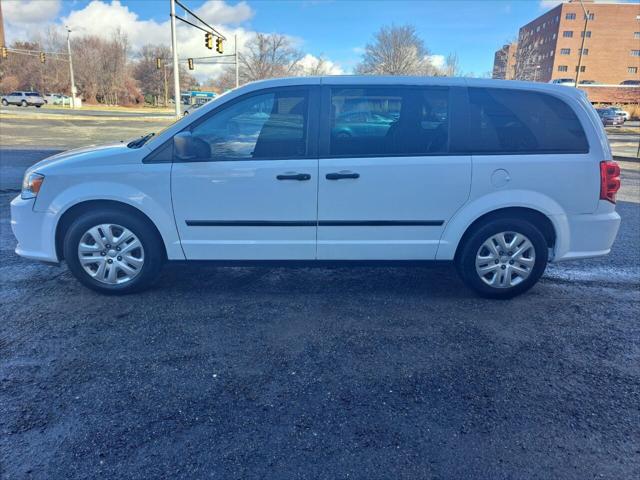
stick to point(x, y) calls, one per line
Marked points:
point(301, 177)
point(339, 175)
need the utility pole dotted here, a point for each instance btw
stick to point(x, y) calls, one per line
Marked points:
point(584, 37)
point(73, 83)
point(235, 43)
point(176, 71)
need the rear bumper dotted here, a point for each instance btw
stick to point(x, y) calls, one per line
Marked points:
point(587, 236)
point(35, 231)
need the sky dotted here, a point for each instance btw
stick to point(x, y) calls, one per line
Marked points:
point(337, 30)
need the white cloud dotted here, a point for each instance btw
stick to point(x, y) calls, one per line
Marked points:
point(215, 11)
point(436, 60)
point(547, 4)
point(30, 11)
point(310, 62)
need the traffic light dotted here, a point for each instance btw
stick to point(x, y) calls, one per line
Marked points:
point(208, 40)
point(158, 63)
point(5, 52)
point(190, 63)
point(42, 57)
point(219, 45)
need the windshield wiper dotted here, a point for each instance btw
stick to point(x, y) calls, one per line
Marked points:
point(138, 142)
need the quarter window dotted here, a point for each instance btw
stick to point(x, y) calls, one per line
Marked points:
point(510, 121)
point(265, 126)
point(383, 121)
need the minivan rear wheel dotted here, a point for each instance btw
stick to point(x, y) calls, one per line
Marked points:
point(113, 252)
point(503, 258)
point(24, 103)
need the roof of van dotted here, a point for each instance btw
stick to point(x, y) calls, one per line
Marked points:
point(413, 80)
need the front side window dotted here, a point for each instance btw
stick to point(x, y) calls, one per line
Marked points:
point(271, 125)
point(511, 122)
point(387, 121)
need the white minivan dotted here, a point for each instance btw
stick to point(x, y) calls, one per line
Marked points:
point(498, 177)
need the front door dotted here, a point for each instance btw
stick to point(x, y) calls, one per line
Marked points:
point(255, 196)
point(388, 187)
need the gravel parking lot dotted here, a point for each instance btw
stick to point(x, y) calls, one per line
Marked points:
point(321, 373)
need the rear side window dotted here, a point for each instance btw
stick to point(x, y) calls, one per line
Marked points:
point(388, 121)
point(510, 121)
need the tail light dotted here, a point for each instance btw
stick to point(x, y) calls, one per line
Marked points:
point(609, 180)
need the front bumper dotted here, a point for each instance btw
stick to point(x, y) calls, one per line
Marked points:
point(35, 231)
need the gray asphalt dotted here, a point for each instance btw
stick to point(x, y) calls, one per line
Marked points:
point(322, 373)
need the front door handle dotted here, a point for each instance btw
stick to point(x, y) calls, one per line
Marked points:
point(339, 175)
point(301, 177)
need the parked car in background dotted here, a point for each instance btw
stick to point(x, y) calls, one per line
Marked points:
point(451, 170)
point(23, 99)
point(622, 112)
point(569, 82)
point(610, 117)
point(198, 103)
point(57, 99)
point(588, 82)
point(630, 82)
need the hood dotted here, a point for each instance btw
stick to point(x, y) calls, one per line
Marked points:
point(84, 153)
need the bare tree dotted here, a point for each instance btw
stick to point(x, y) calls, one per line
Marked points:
point(396, 51)
point(268, 56)
point(146, 72)
point(451, 66)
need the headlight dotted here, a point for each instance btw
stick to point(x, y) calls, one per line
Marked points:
point(31, 185)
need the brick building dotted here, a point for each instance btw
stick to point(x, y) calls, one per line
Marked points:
point(504, 62)
point(549, 47)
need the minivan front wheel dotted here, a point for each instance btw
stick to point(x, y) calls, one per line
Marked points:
point(503, 258)
point(113, 252)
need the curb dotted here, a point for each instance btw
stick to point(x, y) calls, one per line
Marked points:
point(626, 159)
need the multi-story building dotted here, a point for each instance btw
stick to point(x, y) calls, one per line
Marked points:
point(504, 62)
point(604, 44)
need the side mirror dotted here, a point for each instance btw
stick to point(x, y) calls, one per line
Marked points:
point(188, 148)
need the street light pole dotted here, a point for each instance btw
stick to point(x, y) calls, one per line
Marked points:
point(73, 83)
point(176, 71)
point(584, 37)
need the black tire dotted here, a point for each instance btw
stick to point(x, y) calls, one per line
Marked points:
point(466, 258)
point(38, 106)
point(4, 102)
point(24, 103)
point(151, 243)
